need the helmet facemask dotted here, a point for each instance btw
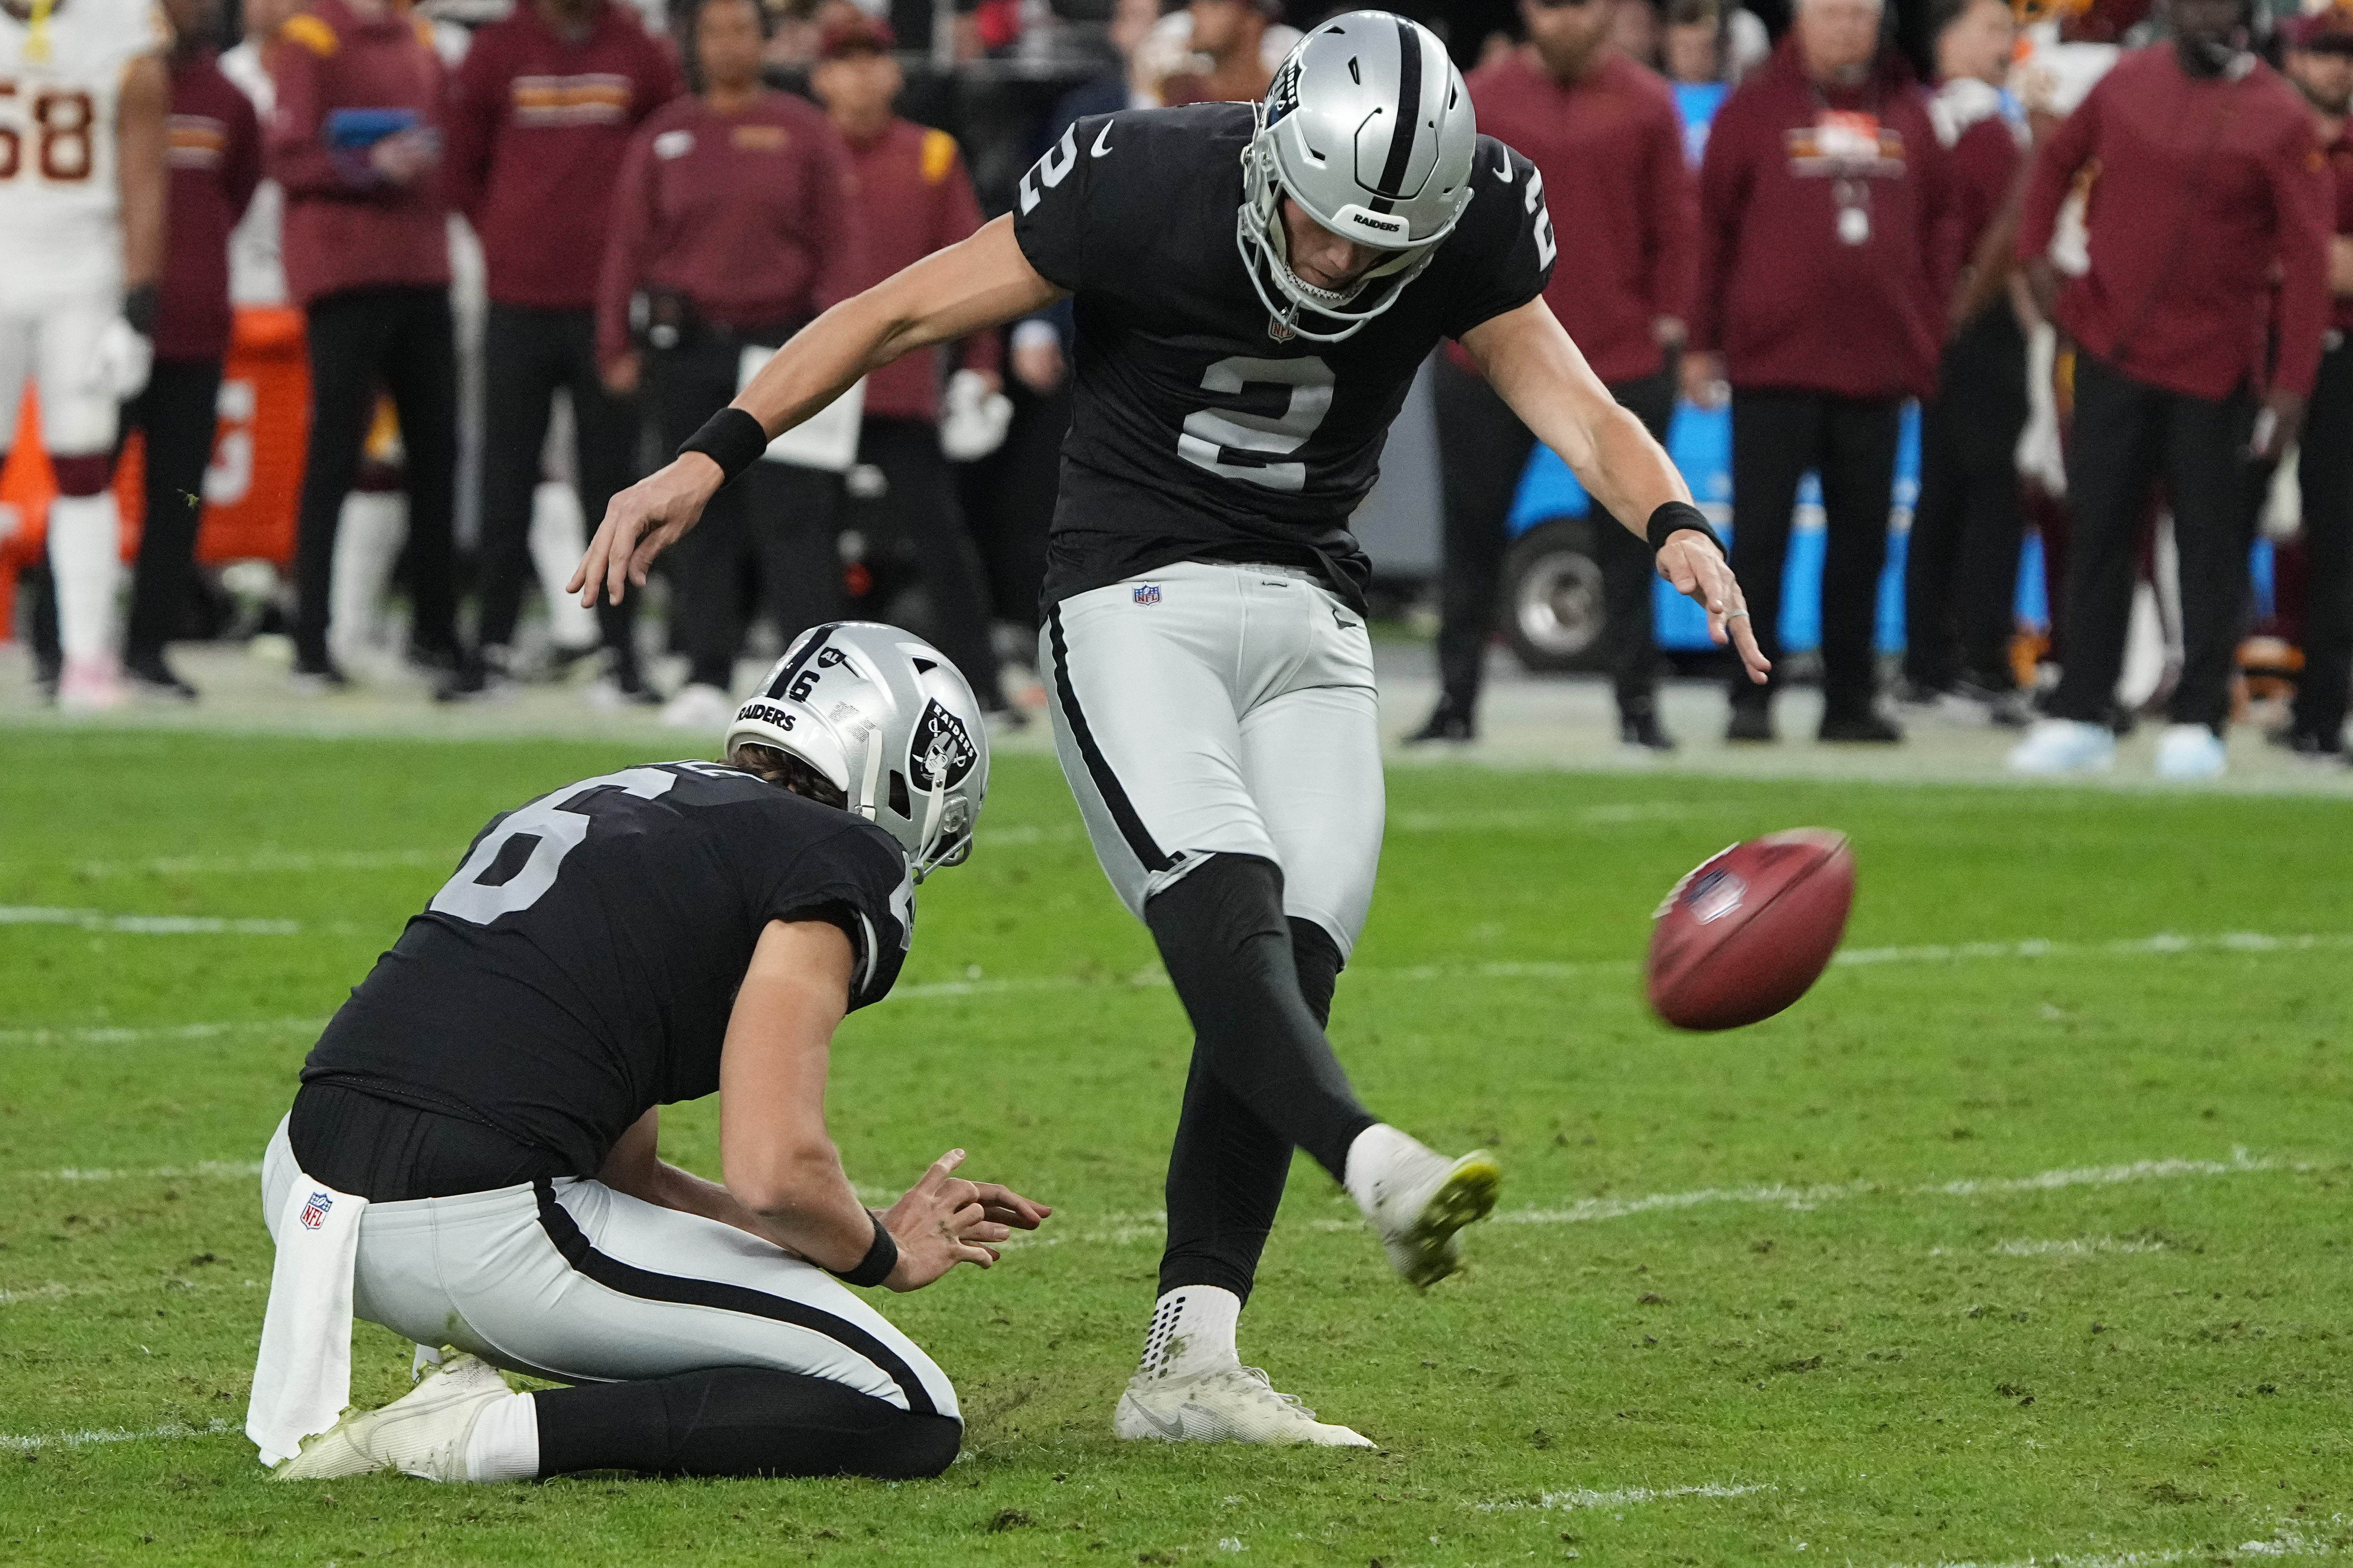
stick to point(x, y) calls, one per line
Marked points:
point(1265, 246)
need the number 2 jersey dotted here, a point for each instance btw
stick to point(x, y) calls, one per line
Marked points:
point(580, 966)
point(60, 91)
point(1195, 433)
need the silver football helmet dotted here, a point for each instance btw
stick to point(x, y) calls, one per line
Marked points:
point(890, 722)
point(1369, 128)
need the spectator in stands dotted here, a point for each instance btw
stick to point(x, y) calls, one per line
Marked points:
point(2320, 63)
point(1961, 568)
point(915, 197)
point(215, 156)
point(1607, 141)
point(1819, 301)
point(2212, 186)
point(734, 216)
point(1230, 33)
point(355, 142)
point(540, 114)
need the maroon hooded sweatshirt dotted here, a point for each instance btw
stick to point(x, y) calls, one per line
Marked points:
point(914, 197)
point(538, 124)
point(215, 152)
point(2205, 187)
point(346, 227)
point(1825, 252)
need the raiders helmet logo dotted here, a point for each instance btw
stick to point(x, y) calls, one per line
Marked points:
point(940, 751)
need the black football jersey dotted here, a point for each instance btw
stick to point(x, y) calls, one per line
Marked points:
point(1195, 432)
point(581, 964)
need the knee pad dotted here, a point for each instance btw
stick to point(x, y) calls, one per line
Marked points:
point(84, 476)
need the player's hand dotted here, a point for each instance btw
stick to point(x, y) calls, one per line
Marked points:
point(1690, 561)
point(2277, 424)
point(403, 157)
point(1703, 378)
point(641, 522)
point(945, 1220)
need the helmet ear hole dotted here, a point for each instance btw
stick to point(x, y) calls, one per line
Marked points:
point(899, 801)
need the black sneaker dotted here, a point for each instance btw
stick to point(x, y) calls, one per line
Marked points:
point(1642, 729)
point(150, 676)
point(1751, 724)
point(482, 673)
point(317, 677)
point(2306, 743)
point(1447, 723)
point(1861, 728)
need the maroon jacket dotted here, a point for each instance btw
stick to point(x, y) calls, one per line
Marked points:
point(2205, 187)
point(1610, 148)
point(537, 125)
point(751, 217)
point(2340, 164)
point(1793, 291)
point(347, 228)
point(214, 153)
point(1983, 162)
point(914, 197)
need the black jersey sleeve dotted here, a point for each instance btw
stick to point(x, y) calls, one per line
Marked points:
point(857, 878)
point(1056, 216)
point(1501, 252)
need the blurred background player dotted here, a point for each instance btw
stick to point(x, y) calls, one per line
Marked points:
point(1960, 565)
point(1604, 134)
point(355, 140)
point(914, 197)
point(2320, 62)
point(82, 244)
point(1230, 34)
point(2210, 186)
point(1820, 300)
point(541, 112)
point(733, 215)
point(215, 156)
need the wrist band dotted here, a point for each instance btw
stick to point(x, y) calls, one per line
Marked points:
point(1673, 518)
point(731, 439)
point(880, 1259)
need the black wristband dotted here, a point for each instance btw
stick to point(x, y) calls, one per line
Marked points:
point(880, 1259)
point(138, 309)
point(731, 439)
point(1673, 518)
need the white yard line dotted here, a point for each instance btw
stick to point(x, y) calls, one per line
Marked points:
point(26, 1443)
point(144, 925)
point(2287, 1540)
point(1624, 1497)
point(270, 862)
point(201, 1170)
point(103, 1035)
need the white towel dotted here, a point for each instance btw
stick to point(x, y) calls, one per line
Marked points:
point(302, 1379)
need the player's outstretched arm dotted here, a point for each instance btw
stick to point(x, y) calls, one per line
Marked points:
point(1528, 358)
point(980, 282)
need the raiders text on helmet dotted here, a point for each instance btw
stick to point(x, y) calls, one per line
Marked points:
point(890, 722)
point(1369, 128)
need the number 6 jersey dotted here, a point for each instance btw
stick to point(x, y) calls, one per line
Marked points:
point(581, 964)
point(61, 81)
point(1195, 434)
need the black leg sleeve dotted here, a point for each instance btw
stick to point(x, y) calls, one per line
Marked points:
point(1226, 1167)
point(1228, 947)
point(739, 1421)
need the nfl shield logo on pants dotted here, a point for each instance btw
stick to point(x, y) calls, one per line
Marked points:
point(315, 1212)
point(1147, 593)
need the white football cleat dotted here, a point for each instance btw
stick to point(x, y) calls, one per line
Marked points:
point(2055, 747)
point(1229, 1405)
point(1418, 1199)
point(699, 706)
point(2187, 753)
point(422, 1433)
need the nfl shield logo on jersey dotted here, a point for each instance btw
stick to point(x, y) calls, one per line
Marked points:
point(315, 1212)
point(1147, 593)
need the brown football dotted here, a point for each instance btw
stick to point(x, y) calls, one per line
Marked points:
point(1750, 929)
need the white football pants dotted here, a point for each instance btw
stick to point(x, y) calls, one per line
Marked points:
point(572, 1280)
point(1208, 709)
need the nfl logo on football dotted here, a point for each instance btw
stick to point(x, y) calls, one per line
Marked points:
point(1147, 593)
point(314, 1211)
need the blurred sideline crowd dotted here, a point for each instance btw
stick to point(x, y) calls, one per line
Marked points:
point(2107, 250)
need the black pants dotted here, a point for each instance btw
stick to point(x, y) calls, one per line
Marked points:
point(399, 340)
point(1483, 449)
point(1960, 571)
point(919, 502)
point(179, 414)
point(2326, 476)
point(2126, 432)
point(1009, 497)
point(781, 516)
point(527, 355)
point(1850, 442)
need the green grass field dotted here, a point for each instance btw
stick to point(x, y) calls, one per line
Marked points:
point(2023, 1237)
